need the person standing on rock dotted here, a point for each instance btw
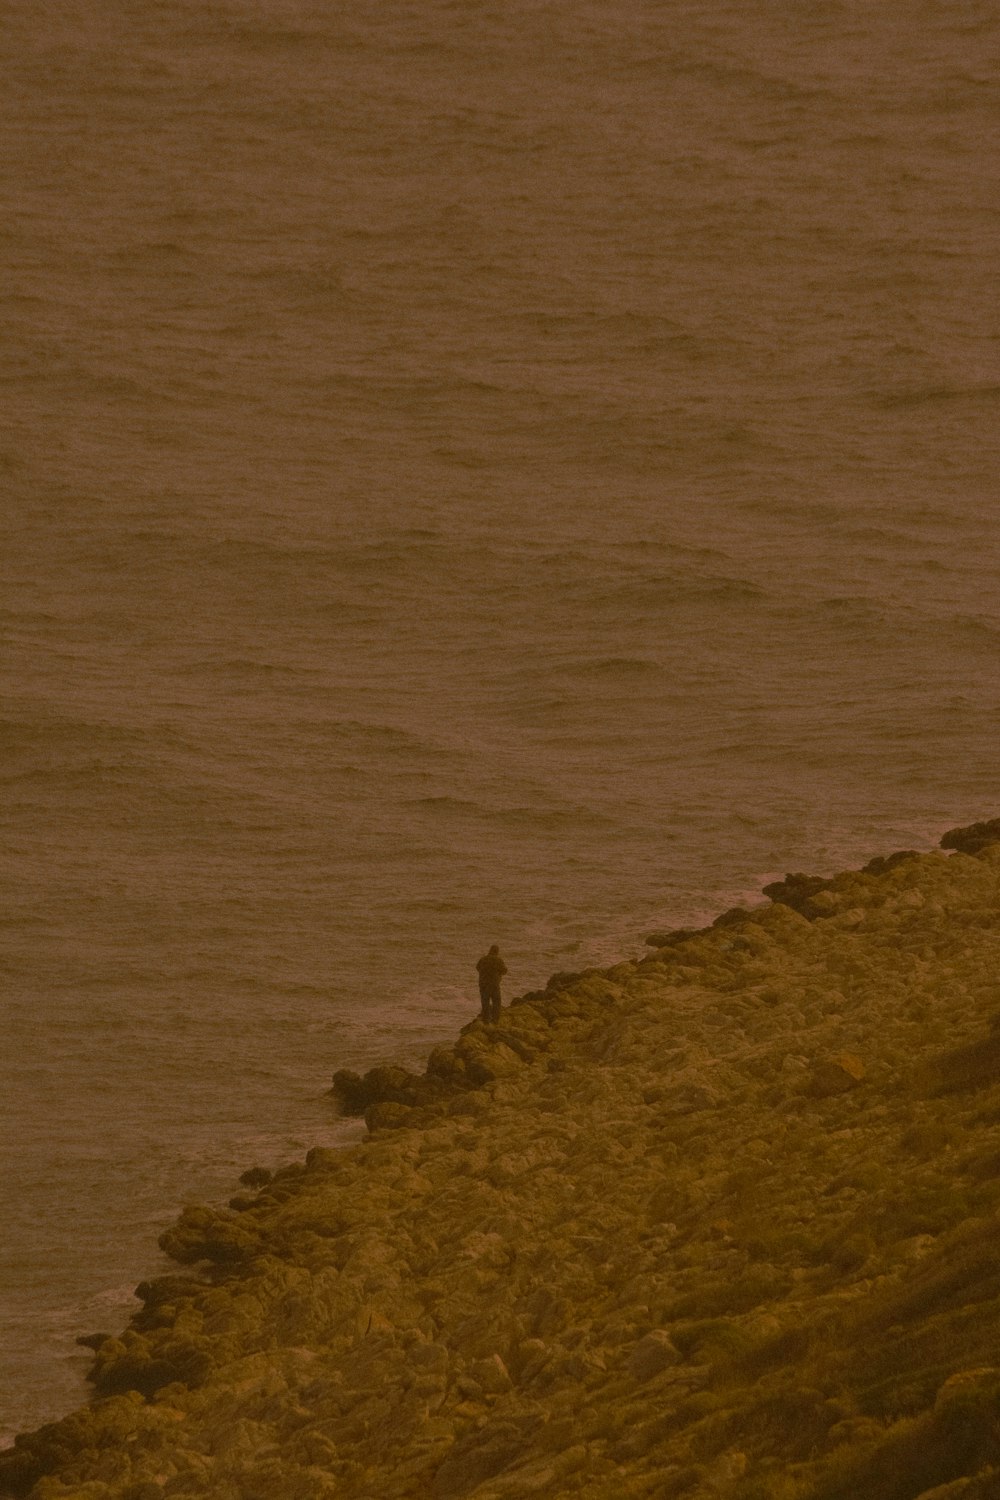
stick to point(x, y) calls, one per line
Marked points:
point(491, 969)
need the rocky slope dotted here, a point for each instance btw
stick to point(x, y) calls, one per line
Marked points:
point(722, 1222)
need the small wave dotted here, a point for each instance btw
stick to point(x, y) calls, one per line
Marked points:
point(889, 536)
point(855, 605)
point(437, 904)
point(767, 86)
point(570, 817)
point(799, 509)
point(58, 746)
point(257, 37)
point(446, 803)
point(236, 666)
point(613, 666)
point(715, 588)
point(934, 394)
point(64, 776)
point(523, 815)
point(389, 739)
point(975, 626)
point(122, 1295)
point(159, 252)
point(650, 546)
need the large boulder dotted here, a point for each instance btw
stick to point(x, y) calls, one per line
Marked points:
point(797, 891)
point(356, 1094)
point(972, 838)
point(203, 1233)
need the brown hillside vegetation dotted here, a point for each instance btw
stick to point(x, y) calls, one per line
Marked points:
point(722, 1222)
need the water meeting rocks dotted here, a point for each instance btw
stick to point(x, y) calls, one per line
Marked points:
point(719, 1222)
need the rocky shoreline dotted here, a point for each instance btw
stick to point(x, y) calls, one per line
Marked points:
point(719, 1222)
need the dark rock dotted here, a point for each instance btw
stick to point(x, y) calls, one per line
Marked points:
point(255, 1177)
point(356, 1094)
point(734, 916)
point(973, 838)
point(672, 938)
point(530, 997)
point(350, 1092)
point(562, 981)
point(796, 891)
point(162, 1289)
point(93, 1340)
point(881, 865)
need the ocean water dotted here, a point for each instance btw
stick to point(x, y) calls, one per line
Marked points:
point(471, 472)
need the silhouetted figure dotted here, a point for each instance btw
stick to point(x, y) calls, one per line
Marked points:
point(491, 969)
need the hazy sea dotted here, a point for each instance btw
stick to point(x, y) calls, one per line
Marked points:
point(472, 472)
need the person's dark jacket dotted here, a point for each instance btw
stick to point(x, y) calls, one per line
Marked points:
point(491, 969)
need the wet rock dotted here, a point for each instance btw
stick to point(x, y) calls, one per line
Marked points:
point(734, 916)
point(671, 938)
point(243, 1201)
point(565, 979)
point(797, 892)
point(350, 1091)
point(159, 1290)
point(356, 1094)
point(973, 838)
point(255, 1177)
point(882, 864)
point(92, 1340)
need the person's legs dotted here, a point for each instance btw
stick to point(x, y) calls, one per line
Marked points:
point(495, 1005)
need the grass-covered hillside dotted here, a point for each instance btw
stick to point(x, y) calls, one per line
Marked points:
point(722, 1222)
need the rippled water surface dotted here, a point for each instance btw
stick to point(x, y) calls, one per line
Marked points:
point(472, 472)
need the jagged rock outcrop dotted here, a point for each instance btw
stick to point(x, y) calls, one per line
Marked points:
point(721, 1222)
point(973, 838)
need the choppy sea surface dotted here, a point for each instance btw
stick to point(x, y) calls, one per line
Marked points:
point(516, 472)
